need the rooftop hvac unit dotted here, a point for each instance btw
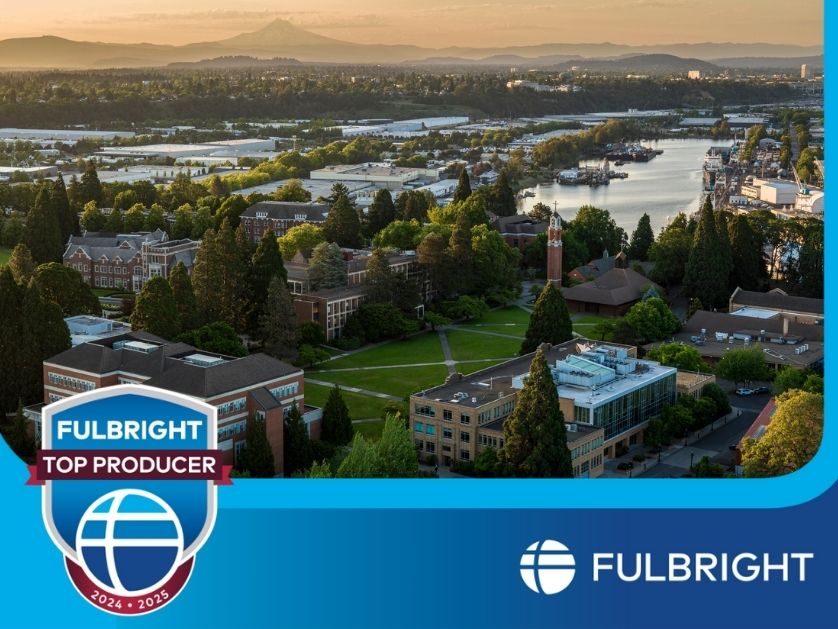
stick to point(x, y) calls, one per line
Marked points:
point(474, 400)
point(572, 428)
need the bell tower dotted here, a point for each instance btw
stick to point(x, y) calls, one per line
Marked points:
point(554, 250)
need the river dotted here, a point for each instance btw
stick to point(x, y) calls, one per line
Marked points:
point(668, 184)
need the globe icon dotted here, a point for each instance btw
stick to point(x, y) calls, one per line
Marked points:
point(547, 567)
point(129, 542)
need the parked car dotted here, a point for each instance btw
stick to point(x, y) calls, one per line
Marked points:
point(762, 390)
point(744, 392)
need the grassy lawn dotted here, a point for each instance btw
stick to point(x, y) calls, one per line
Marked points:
point(370, 430)
point(507, 315)
point(423, 348)
point(5, 254)
point(472, 346)
point(401, 381)
point(584, 325)
point(360, 406)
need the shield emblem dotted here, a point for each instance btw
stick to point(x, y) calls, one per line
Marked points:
point(129, 477)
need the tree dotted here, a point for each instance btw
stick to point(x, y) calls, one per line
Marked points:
point(301, 238)
point(292, 191)
point(694, 306)
point(540, 212)
point(382, 321)
point(743, 365)
point(21, 264)
point(64, 286)
point(678, 355)
point(327, 268)
point(187, 308)
point(90, 188)
point(501, 198)
point(652, 320)
point(134, 218)
point(336, 425)
point(362, 461)
point(716, 394)
point(790, 440)
point(641, 239)
point(183, 225)
point(432, 254)
point(789, 378)
point(496, 264)
point(92, 219)
point(535, 437)
point(155, 309)
point(725, 253)
point(707, 469)
point(68, 219)
point(308, 355)
point(257, 457)
point(155, 219)
point(42, 234)
point(402, 235)
point(602, 329)
point(296, 445)
point(379, 277)
point(434, 319)
point(811, 264)
point(219, 279)
point(265, 265)
point(381, 212)
point(748, 266)
point(462, 256)
point(114, 222)
point(596, 229)
point(463, 189)
point(487, 463)
point(343, 226)
point(550, 321)
point(216, 337)
point(13, 229)
point(467, 308)
point(201, 222)
point(706, 275)
point(311, 333)
point(396, 453)
point(18, 437)
point(277, 327)
point(670, 252)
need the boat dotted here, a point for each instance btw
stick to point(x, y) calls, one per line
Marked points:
point(619, 162)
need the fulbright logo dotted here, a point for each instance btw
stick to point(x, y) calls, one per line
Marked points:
point(129, 476)
point(547, 567)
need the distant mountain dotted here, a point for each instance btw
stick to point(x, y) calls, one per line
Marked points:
point(280, 38)
point(772, 63)
point(238, 61)
point(652, 64)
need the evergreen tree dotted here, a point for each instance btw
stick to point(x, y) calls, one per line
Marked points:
point(535, 437)
point(202, 221)
point(463, 189)
point(336, 425)
point(641, 239)
point(218, 278)
point(381, 212)
point(42, 234)
point(68, 219)
point(92, 219)
point(343, 226)
point(18, 436)
point(266, 264)
point(155, 310)
point(748, 267)
point(21, 264)
point(550, 321)
point(702, 276)
point(432, 254)
point(44, 335)
point(379, 278)
point(461, 255)
point(327, 268)
point(90, 188)
point(725, 252)
point(811, 265)
point(278, 322)
point(257, 457)
point(670, 252)
point(64, 286)
point(182, 227)
point(217, 337)
point(296, 446)
point(14, 340)
point(501, 199)
point(187, 307)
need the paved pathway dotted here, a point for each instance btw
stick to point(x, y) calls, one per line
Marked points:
point(446, 351)
point(402, 365)
point(367, 392)
point(487, 333)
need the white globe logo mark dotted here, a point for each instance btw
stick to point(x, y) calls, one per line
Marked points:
point(547, 567)
point(135, 522)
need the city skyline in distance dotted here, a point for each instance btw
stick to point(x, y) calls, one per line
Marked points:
point(430, 24)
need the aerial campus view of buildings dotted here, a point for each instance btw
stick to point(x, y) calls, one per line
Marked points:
point(431, 269)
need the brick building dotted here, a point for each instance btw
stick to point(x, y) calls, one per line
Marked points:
point(241, 388)
point(127, 261)
point(518, 230)
point(604, 390)
point(280, 216)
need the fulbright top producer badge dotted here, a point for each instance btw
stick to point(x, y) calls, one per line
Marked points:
point(129, 476)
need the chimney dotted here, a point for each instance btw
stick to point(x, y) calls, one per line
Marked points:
point(785, 326)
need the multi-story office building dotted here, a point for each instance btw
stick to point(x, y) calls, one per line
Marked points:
point(241, 388)
point(280, 216)
point(604, 390)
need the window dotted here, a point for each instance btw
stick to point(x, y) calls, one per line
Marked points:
point(419, 427)
point(239, 447)
point(285, 390)
point(418, 443)
point(465, 437)
point(428, 411)
point(465, 455)
point(232, 406)
point(225, 432)
point(446, 415)
point(68, 382)
point(465, 419)
point(430, 446)
point(430, 429)
point(447, 433)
